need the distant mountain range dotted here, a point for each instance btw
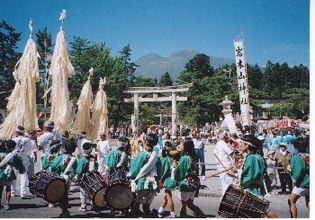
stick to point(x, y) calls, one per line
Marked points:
point(154, 66)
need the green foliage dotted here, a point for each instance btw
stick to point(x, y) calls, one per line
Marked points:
point(279, 79)
point(118, 72)
point(45, 49)
point(199, 72)
point(165, 80)
point(254, 76)
point(297, 104)
point(8, 58)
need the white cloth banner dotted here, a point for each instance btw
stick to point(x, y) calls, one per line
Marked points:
point(242, 81)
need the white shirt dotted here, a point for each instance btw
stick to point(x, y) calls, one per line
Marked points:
point(44, 142)
point(103, 148)
point(23, 145)
point(223, 151)
point(32, 149)
point(271, 166)
point(198, 143)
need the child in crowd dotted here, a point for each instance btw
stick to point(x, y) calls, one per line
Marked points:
point(167, 182)
point(271, 170)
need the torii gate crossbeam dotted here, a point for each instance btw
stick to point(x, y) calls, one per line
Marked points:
point(154, 90)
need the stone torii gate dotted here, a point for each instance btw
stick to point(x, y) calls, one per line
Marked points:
point(155, 90)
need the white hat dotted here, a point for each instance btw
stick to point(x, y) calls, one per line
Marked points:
point(271, 152)
point(223, 133)
point(283, 144)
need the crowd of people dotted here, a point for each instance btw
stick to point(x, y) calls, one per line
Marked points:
point(155, 161)
point(257, 161)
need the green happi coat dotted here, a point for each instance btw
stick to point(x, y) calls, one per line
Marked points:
point(83, 165)
point(47, 159)
point(135, 166)
point(252, 174)
point(185, 174)
point(166, 173)
point(60, 163)
point(113, 158)
point(300, 171)
point(15, 162)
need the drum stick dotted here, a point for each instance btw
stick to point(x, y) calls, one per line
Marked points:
point(220, 161)
point(222, 171)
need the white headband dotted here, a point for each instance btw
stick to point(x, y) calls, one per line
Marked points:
point(83, 135)
point(88, 151)
point(20, 131)
point(56, 145)
point(248, 143)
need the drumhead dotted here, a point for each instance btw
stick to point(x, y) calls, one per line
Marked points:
point(98, 198)
point(119, 197)
point(55, 190)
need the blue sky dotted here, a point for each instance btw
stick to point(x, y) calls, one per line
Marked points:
point(275, 30)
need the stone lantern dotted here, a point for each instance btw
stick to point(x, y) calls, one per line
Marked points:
point(228, 121)
point(226, 103)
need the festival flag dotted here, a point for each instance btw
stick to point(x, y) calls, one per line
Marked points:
point(242, 81)
point(22, 101)
point(82, 119)
point(61, 69)
point(99, 120)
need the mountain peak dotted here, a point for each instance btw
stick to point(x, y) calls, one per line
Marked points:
point(154, 66)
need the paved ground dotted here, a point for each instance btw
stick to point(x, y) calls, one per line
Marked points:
point(208, 201)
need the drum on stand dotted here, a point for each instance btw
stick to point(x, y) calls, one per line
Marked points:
point(239, 203)
point(47, 186)
point(94, 187)
point(118, 193)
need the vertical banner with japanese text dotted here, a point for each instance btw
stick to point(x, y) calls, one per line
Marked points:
point(242, 81)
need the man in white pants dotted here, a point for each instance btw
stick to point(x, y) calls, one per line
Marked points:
point(23, 145)
point(223, 159)
point(103, 148)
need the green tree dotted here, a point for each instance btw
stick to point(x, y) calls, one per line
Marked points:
point(119, 80)
point(221, 85)
point(298, 77)
point(129, 67)
point(82, 56)
point(197, 71)
point(296, 105)
point(165, 80)
point(8, 58)
point(45, 50)
point(254, 76)
point(273, 80)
